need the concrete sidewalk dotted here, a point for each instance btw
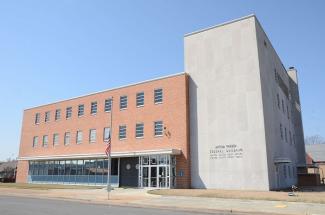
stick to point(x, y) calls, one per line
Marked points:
point(140, 198)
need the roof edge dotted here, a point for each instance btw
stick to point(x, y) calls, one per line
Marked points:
point(219, 25)
point(110, 89)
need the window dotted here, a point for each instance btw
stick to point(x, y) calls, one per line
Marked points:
point(281, 131)
point(93, 109)
point(122, 132)
point(158, 96)
point(55, 139)
point(47, 116)
point(67, 138)
point(288, 112)
point(57, 114)
point(106, 134)
point(68, 113)
point(290, 136)
point(285, 134)
point(285, 171)
point(37, 118)
point(140, 99)
point(139, 130)
point(81, 110)
point(35, 141)
point(159, 128)
point(92, 135)
point(45, 141)
point(108, 105)
point(283, 106)
point(278, 100)
point(123, 102)
point(79, 137)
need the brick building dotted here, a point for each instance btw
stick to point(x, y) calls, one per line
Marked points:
point(63, 142)
point(231, 121)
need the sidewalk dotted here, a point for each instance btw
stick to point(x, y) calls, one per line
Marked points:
point(140, 198)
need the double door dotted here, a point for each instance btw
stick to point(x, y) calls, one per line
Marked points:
point(155, 176)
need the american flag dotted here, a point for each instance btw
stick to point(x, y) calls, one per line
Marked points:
point(108, 143)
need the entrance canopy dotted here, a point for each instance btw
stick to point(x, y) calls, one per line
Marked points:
point(103, 155)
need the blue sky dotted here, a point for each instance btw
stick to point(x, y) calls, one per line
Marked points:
point(53, 50)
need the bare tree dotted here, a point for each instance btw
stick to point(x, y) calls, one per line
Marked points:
point(314, 139)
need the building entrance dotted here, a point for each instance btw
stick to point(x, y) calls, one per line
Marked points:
point(157, 171)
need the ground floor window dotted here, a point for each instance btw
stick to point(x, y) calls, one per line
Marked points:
point(81, 171)
point(143, 171)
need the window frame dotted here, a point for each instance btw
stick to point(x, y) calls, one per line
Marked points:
point(126, 102)
point(93, 108)
point(162, 95)
point(136, 130)
point(90, 135)
point(108, 103)
point(120, 136)
point(35, 142)
point(55, 135)
point(45, 139)
point(37, 118)
point(104, 133)
point(162, 128)
point(67, 136)
point(81, 110)
point(68, 112)
point(47, 116)
point(139, 95)
point(79, 139)
point(57, 114)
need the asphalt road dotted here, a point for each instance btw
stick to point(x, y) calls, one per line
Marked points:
point(31, 206)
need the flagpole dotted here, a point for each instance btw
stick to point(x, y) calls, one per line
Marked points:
point(109, 154)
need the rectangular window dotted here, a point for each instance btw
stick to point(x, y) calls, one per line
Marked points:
point(55, 139)
point(35, 141)
point(47, 116)
point(92, 135)
point(57, 114)
point(158, 96)
point(67, 138)
point(159, 128)
point(108, 105)
point(285, 134)
point(68, 113)
point(290, 137)
point(123, 102)
point(288, 112)
point(278, 100)
point(79, 137)
point(285, 171)
point(37, 118)
point(106, 133)
point(122, 132)
point(81, 110)
point(139, 127)
point(140, 99)
point(93, 109)
point(281, 131)
point(283, 106)
point(45, 141)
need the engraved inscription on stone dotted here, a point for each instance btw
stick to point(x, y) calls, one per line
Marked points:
point(231, 151)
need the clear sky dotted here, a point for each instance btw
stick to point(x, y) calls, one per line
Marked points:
point(53, 50)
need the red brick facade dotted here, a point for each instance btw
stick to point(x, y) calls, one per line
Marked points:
point(173, 111)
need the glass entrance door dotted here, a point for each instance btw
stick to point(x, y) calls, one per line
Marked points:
point(157, 171)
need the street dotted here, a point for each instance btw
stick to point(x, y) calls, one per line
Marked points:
point(30, 206)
